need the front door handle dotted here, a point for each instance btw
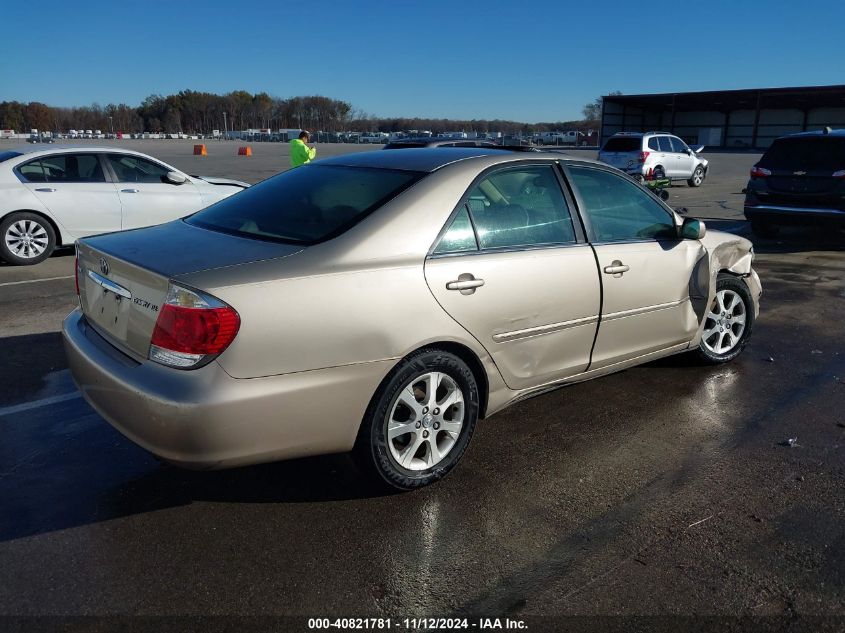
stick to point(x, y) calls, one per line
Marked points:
point(466, 283)
point(128, 191)
point(616, 268)
point(45, 189)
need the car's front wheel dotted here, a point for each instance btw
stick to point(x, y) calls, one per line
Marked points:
point(728, 322)
point(697, 177)
point(25, 239)
point(420, 421)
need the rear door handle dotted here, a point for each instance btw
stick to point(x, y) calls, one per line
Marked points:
point(466, 283)
point(616, 268)
point(128, 191)
point(45, 189)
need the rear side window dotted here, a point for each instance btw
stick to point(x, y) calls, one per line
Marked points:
point(806, 153)
point(664, 144)
point(522, 206)
point(652, 144)
point(623, 144)
point(459, 237)
point(305, 205)
point(63, 168)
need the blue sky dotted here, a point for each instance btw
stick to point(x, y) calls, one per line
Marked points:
point(533, 60)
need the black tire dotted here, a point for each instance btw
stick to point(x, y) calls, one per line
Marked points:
point(658, 173)
point(372, 452)
point(736, 285)
point(764, 228)
point(699, 174)
point(41, 230)
point(664, 195)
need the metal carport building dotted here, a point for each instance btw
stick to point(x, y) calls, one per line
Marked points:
point(731, 119)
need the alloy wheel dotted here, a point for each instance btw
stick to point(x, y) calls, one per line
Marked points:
point(425, 421)
point(26, 239)
point(725, 322)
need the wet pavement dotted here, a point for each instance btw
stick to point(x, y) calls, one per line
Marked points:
point(662, 490)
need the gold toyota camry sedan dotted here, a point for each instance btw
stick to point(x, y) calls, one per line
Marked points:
point(383, 302)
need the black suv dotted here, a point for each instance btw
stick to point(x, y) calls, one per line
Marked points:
point(799, 180)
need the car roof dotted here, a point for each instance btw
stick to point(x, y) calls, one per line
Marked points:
point(49, 147)
point(428, 159)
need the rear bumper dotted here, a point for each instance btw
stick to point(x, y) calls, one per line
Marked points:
point(794, 215)
point(204, 418)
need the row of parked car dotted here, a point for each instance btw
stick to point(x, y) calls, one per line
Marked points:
point(52, 197)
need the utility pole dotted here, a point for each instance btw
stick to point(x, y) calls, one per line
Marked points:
point(225, 129)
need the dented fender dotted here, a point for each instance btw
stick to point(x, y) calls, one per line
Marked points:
point(724, 252)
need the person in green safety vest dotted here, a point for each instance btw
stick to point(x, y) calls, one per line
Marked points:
point(300, 153)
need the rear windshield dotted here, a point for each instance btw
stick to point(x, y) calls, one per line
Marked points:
point(307, 204)
point(805, 153)
point(8, 155)
point(623, 144)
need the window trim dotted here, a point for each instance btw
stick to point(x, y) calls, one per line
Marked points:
point(585, 218)
point(580, 237)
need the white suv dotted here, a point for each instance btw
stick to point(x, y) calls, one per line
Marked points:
point(655, 155)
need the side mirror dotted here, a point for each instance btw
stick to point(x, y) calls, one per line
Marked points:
point(693, 229)
point(175, 178)
point(698, 149)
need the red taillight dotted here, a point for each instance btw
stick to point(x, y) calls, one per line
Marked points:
point(643, 156)
point(195, 330)
point(760, 172)
point(191, 326)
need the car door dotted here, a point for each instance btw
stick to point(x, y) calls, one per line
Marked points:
point(515, 271)
point(665, 157)
point(683, 158)
point(146, 197)
point(646, 269)
point(73, 186)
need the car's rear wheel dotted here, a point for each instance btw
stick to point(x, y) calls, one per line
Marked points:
point(26, 239)
point(659, 173)
point(697, 177)
point(728, 322)
point(420, 420)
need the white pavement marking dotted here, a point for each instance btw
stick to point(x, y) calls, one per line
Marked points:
point(34, 281)
point(26, 406)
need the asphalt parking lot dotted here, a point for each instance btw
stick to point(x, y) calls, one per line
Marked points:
point(669, 489)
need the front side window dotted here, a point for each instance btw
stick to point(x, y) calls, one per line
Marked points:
point(618, 209)
point(305, 205)
point(135, 169)
point(522, 206)
point(63, 168)
point(678, 145)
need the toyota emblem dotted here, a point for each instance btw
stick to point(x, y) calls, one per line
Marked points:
point(104, 266)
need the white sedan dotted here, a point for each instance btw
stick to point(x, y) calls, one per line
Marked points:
point(51, 197)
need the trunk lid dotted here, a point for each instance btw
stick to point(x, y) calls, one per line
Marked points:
point(124, 277)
